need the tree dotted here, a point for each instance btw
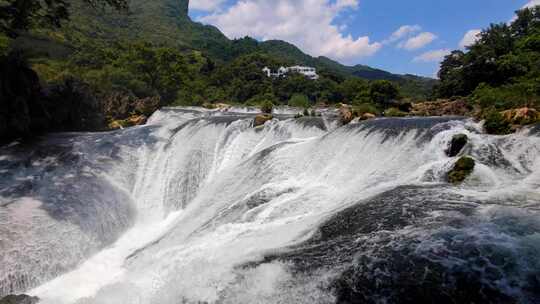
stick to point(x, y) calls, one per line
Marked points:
point(353, 87)
point(383, 91)
point(17, 16)
point(505, 59)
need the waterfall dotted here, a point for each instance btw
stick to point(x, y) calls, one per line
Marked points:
point(200, 207)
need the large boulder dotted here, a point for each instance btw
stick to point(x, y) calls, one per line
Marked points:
point(461, 170)
point(19, 299)
point(458, 142)
point(262, 119)
point(345, 114)
point(22, 109)
point(73, 106)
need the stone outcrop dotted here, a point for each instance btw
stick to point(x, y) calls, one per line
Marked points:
point(135, 120)
point(458, 142)
point(521, 116)
point(261, 119)
point(461, 170)
point(441, 108)
point(345, 114)
point(27, 109)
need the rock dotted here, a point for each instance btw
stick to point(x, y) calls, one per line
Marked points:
point(462, 169)
point(19, 299)
point(345, 114)
point(134, 120)
point(394, 112)
point(262, 119)
point(457, 144)
point(367, 116)
point(223, 107)
point(521, 116)
point(117, 124)
point(441, 107)
point(137, 120)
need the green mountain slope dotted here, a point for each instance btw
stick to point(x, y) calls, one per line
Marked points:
point(166, 22)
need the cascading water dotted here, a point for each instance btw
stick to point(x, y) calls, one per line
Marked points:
point(199, 206)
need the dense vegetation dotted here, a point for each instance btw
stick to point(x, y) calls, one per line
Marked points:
point(502, 69)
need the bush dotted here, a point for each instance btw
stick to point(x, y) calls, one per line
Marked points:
point(496, 124)
point(520, 94)
point(267, 106)
point(361, 109)
point(299, 101)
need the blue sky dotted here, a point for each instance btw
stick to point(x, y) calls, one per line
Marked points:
point(398, 36)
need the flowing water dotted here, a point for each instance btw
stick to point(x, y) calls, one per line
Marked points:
point(200, 207)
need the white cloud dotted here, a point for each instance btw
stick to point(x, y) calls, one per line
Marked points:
point(432, 56)
point(532, 3)
point(205, 5)
point(418, 41)
point(403, 31)
point(470, 38)
point(309, 24)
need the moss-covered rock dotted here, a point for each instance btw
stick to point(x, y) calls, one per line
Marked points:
point(462, 169)
point(457, 144)
point(134, 120)
point(262, 119)
point(19, 299)
point(394, 112)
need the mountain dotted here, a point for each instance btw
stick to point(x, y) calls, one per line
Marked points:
point(166, 22)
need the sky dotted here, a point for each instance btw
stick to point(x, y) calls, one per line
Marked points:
point(398, 36)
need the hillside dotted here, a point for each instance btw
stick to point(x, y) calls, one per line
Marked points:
point(166, 22)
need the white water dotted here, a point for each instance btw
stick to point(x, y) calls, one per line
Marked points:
point(210, 196)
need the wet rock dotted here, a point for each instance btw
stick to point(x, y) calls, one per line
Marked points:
point(457, 144)
point(223, 107)
point(345, 114)
point(368, 116)
point(262, 119)
point(135, 120)
point(19, 299)
point(462, 169)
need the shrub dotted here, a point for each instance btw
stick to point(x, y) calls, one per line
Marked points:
point(267, 106)
point(361, 109)
point(299, 101)
point(496, 124)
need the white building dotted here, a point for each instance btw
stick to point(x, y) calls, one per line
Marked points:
point(309, 72)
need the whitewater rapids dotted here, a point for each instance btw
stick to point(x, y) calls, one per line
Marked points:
point(200, 207)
